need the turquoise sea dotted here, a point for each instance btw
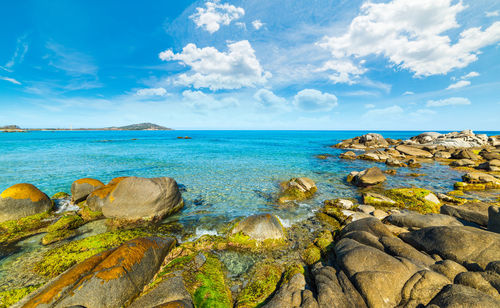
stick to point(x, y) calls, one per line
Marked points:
point(223, 174)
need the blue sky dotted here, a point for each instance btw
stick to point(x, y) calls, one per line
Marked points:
point(261, 64)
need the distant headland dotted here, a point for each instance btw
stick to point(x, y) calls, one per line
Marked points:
point(140, 126)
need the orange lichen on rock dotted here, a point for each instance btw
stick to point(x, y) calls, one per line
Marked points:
point(67, 279)
point(24, 191)
point(117, 180)
point(90, 181)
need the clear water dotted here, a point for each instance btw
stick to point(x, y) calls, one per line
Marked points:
point(225, 174)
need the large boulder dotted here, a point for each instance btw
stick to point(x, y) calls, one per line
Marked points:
point(21, 200)
point(476, 212)
point(455, 295)
point(135, 198)
point(478, 181)
point(260, 227)
point(369, 177)
point(425, 138)
point(465, 154)
point(464, 139)
point(413, 151)
point(171, 290)
point(81, 188)
point(109, 279)
point(95, 200)
point(368, 141)
point(469, 246)
point(494, 219)
point(297, 189)
point(492, 165)
point(416, 220)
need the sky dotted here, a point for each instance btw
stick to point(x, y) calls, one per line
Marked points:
point(259, 64)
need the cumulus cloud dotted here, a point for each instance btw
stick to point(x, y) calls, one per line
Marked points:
point(492, 14)
point(214, 14)
point(412, 35)
point(470, 75)
point(448, 102)
point(257, 24)
point(268, 99)
point(314, 100)
point(152, 92)
point(384, 112)
point(198, 100)
point(343, 71)
point(408, 93)
point(213, 69)
point(12, 80)
point(459, 84)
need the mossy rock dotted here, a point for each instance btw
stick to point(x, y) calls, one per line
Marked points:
point(333, 211)
point(66, 222)
point(456, 193)
point(475, 186)
point(261, 231)
point(10, 297)
point(23, 200)
point(413, 199)
point(58, 235)
point(377, 200)
point(324, 240)
point(59, 259)
point(311, 254)
point(15, 230)
point(87, 214)
point(291, 270)
point(297, 189)
point(265, 279)
point(328, 221)
point(61, 195)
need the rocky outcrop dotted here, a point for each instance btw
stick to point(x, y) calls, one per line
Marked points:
point(135, 198)
point(297, 189)
point(413, 151)
point(494, 219)
point(476, 212)
point(492, 165)
point(348, 155)
point(416, 220)
point(455, 295)
point(81, 188)
point(260, 227)
point(21, 200)
point(464, 139)
point(478, 181)
point(367, 177)
point(368, 141)
point(170, 291)
point(108, 279)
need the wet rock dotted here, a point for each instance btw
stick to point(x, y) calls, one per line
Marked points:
point(297, 189)
point(339, 203)
point(471, 247)
point(481, 178)
point(22, 200)
point(374, 156)
point(442, 154)
point(413, 163)
point(416, 220)
point(108, 279)
point(392, 162)
point(476, 212)
point(412, 151)
point(455, 295)
point(136, 198)
point(168, 291)
point(81, 188)
point(367, 209)
point(416, 199)
point(264, 279)
point(348, 155)
point(260, 227)
point(369, 177)
point(494, 219)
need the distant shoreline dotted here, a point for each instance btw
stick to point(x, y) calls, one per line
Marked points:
point(133, 127)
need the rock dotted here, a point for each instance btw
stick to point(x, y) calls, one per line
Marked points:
point(290, 294)
point(415, 199)
point(455, 295)
point(462, 163)
point(494, 219)
point(95, 200)
point(379, 214)
point(494, 141)
point(442, 154)
point(108, 279)
point(426, 137)
point(368, 141)
point(297, 189)
point(21, 200)
point(81, 188)
point(348, 155)
point(339, 203)
point(371, 225)
point(476, 212)
point(373, 156)
point(488, 155)
point(412, 151)
point(367, 209)
point(422, 287)
point(476, 280)
point(448, 268)
point(167, 291)
point(465, 154)
point(260, 227)
point(471, 247)
point(413, 163)
point(478, 181)
point(394, 163)
point(465, 139)
point(377, 200)
point(492, 165)
point(416, 220)
point(369, 177)
point(135, 198)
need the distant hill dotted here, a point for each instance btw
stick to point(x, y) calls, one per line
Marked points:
point(141, 126)
point(10, 127)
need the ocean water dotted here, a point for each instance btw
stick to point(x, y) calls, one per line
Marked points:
point(223, 174)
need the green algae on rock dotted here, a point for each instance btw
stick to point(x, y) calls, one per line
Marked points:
point(14, 230)
point(60, 195)
point(297, 189)
point(23, 200)
point(415, 199)
point(58, 235)
point(311, 254)
point(59, 259)
point(66, 222)
point(265, 278)
point(10, 297)
point(257, 231)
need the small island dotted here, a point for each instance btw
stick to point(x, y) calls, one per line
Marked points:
point(140, 126)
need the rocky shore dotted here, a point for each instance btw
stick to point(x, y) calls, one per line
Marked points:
point(107, 245)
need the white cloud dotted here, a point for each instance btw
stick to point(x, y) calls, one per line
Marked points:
point(257, 24)
point(408, 93)
point(470, 75)
point(384, 112)
point(492, 14)
point(459, 84)
point(152, 92)
point(210, 68)
point(215, 14)
point(410, 34)
point(423, 113)
point(268, 99)
point(12, 80)
point(314, 100)
point(344, 71)
point(448, 102)
point(19, 53)
point(198, 100)
point(369, 106)
point(73, 62)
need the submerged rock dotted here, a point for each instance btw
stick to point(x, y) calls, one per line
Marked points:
point(81, 188)
point(260, 228)
point(22, 200)
point(297, 189)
